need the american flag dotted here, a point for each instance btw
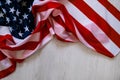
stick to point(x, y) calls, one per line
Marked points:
point(26, 26)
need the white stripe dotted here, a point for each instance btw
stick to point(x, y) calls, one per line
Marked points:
point(57, 12)
point(22, 54)
point(41, 16)
point(45, 40)
point(42, 2)
point(115, 3)
point(88, 24)
point(29, 38)
point(61, 32)
point(111, 47)
point(4, 64)
point(82, 39)
point(74, 12)
point(45, 14)
point(103, 38)
point(4, 30)
point(105, 14)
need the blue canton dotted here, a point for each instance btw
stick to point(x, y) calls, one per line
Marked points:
point(17, 15)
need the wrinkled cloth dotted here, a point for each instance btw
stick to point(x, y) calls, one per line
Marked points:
point(94, 23)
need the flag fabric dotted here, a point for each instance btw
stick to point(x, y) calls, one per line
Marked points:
point(17, 15)
point(26, 26)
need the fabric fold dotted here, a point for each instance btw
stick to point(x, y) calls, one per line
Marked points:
point(66, 19)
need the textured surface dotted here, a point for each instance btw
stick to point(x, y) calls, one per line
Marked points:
point(68, 61)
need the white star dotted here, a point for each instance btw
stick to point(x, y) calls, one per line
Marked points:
point(0, 3)
point(26, 28)
point(20, 21)
point(4, 10)
point(7, 19)
point(8, 2)
point(1, 14)
point(12, 10)
point(25, 16)
point(20, 34)
point(14, 18)
point(24, 3)
point(17, 13)
point(30, 8)
point(29, 21)
point(11, 29)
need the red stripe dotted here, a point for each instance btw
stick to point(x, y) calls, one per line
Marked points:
point(43, 27)
point(4, 38)
point(111, 8)
point(89, 37)
point(45, 7)
point(61, 39)
point(68, 24)
point(25, 46)
point(91, 14)
point(2, 56)
point(8, 71)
